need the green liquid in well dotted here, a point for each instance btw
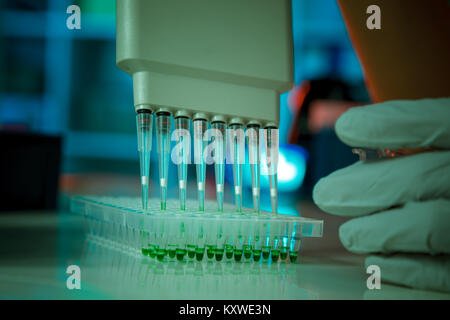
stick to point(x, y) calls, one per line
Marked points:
point(191, 251)
point(293, 256)
point(256, 255)
point(172, 253)
point(265, 252)
point(180, 254)
point(145, 251)
point(247, 251)
point(219, 254)
point(160, 254)
point(229, 251)
point(152, 250)
point(237, 255)
point(210, 251)
point(283, 253)
point(275, 255)
point(191, 254)
point(199, 253)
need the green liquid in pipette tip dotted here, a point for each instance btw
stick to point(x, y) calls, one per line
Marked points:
point(145, 251)
point(256, 255)
point(219, 254)
point(237, 255)
point(199, 253)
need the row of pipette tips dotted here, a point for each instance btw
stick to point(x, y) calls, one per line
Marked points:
point(182, 125)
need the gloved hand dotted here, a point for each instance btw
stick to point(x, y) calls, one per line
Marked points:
point(402, 204)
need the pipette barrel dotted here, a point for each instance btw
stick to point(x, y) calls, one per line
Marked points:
point(219, 139)
point(237, 145)
point(163, 135)
point(182, 126)
point(271, 137)
point(200, 127)
point(144, 121)
point(254, 152)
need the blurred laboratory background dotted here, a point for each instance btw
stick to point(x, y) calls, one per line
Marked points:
point(67, 122)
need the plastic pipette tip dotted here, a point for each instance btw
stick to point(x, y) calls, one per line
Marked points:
point(256, 203)
point(183, 205)
point(274, 203)
point(238, 198)
point(144, 194)
point(183, 200)
point(182, 191)
point(201, 196)
point(144, 132)
point(219, 200)
point(163, 197)
point(201, 204)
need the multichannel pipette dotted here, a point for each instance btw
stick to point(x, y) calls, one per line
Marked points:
point(271, 140)
point(237, 145)
point(182, 125)
point(200, 126)
point(238, 80)
point(163, 136)
point(254, 150)
point(144, 120)
point(219, 137)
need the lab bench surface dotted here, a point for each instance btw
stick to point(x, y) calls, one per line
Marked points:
point(37, 248)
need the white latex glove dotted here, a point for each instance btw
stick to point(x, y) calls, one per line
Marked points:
point(402, 204)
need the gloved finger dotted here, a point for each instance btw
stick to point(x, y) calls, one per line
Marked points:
point(370, 186)
point(414, 270)
point(416, 227)
point(397, 124)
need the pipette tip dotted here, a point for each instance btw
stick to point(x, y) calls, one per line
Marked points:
point(163, 194)
point(274, 201)
point(144, 192)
